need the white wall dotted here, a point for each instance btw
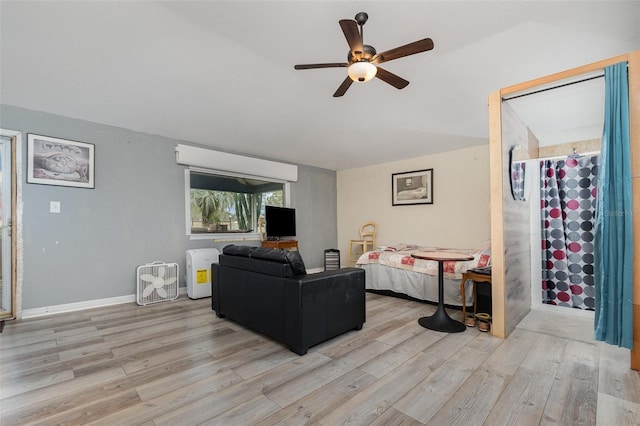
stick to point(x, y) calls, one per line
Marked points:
point(458, 218)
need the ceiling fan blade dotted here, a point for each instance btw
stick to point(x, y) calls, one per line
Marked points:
point(391, 78)
point(343, 87)
point(351, 33)
point(313, 66)
point(406, 50)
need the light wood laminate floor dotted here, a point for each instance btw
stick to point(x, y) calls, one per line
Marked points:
point(176, 363)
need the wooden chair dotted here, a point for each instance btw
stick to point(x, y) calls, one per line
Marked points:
point(367, 239)
point(262, 228)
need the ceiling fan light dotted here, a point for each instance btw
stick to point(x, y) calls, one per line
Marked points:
point(362, 71)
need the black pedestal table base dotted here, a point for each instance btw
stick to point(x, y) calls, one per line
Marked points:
point(440, 320)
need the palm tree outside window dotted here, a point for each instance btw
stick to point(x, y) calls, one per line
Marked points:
point(226, 204)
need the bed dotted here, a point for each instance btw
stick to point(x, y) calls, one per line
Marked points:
point(391, 268)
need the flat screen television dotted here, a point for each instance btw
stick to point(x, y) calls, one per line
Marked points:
point(280, 221)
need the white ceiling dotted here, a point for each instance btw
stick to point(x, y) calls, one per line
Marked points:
point(572, 111)
point(220, 73)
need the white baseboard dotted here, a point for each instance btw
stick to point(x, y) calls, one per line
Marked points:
point(78, 306)
point(97, 303)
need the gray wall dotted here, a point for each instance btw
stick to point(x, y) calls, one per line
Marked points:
point(135, 214)
point(517, 237)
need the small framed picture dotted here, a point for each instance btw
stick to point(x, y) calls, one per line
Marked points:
point(54, 161)
point(410, 188)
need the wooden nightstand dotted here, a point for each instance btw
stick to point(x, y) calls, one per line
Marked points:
point(476, 278)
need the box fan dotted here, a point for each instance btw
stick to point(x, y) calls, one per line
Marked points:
point(157, 282)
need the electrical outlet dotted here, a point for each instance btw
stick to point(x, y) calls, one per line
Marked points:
point(54, 207)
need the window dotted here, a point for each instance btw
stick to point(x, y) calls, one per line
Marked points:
point(231, 207)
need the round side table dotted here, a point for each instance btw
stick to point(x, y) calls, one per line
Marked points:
point(440, 320)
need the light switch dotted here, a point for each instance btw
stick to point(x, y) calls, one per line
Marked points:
point(54, 207)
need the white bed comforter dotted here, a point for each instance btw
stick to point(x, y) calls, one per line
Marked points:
point(399, 256)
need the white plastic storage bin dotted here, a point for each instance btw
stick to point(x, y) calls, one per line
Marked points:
point(199, 271)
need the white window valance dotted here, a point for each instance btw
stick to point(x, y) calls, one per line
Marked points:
point(233, 163)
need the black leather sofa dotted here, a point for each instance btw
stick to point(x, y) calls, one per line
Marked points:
point(269, 291)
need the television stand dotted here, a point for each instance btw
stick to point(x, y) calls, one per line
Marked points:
point(281, 244)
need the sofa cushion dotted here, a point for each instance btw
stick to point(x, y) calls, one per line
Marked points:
point(295, 261)
point(233, 250)
point(265, 253)
point(259, 266)
point(288, 257)
point(291, 257)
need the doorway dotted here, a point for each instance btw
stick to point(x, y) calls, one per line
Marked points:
point(561, 128)
point(510, 303)
point(8, 199)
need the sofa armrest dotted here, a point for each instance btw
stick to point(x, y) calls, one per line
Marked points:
point(215, 288)
point(323, 305)
point(331, 273)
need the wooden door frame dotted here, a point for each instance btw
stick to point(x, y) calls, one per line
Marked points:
point(497, 175)
point(16, 220)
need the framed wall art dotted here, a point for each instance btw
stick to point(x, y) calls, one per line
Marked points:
point(54, 161)
point(410, 188)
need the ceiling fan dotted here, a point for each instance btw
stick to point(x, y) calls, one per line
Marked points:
point(362, 60)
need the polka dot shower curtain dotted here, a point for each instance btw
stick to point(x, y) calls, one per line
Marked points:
point(567, 192)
